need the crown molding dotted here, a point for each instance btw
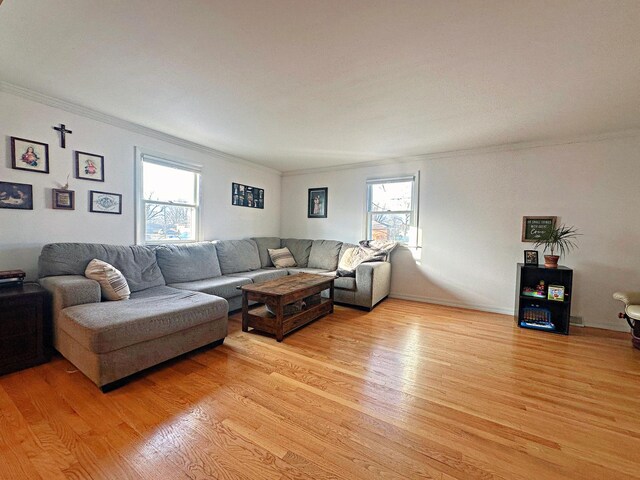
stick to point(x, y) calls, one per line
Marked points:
point(126, 125)
point(506, 147)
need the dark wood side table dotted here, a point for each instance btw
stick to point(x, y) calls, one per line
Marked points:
point(24, 327)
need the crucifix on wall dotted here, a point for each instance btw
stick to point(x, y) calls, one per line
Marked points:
point(63, 130)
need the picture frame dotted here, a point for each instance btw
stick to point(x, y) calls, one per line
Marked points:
point(535, 228)
point(63, 199)
point(89, 166)
point(318, 202)
point(531, 257)
point(105, 202)
point(247, 196)
point(29, 155)
point(555, 293)
point(17, 196)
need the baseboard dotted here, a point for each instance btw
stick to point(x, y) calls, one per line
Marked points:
point(446, 303)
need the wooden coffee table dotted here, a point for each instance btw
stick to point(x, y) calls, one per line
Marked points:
point(280, 292)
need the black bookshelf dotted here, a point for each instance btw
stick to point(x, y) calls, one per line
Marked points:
point(541, 313)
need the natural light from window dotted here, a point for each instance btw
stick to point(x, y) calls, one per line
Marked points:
point(391, 214)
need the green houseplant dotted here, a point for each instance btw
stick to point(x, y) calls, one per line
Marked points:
point(559, 242)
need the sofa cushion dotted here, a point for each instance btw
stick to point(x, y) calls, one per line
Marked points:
point(319, 271)
point(324, 254)
point(299, 248)
point(282, 258)
point(264, 244)
point(188, 262)
point(262, 275)
point(238, 256)
point(136, 262)
point(225, 286)
point(113, 285)
point(105, 327)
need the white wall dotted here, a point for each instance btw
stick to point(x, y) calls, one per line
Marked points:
point(471, 209)
point(22, 232)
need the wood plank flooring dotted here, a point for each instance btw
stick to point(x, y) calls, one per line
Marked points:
point(406, 391)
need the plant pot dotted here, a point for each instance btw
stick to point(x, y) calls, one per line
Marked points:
point(551, 261)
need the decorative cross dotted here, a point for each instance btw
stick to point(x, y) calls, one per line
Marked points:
point(62, 131)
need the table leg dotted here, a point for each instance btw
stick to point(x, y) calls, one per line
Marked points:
point(331, 291)
point(245, 312)
point(279, 318)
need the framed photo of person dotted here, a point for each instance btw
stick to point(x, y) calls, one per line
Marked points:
point(531, 257)
point(63, 199)
point(29, 155)
point(317, 203)
point(89, 166)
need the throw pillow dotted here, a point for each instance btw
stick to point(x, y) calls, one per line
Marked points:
point(281, 257)
point(112, 283)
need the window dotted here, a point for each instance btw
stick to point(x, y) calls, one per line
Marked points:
point(391, 210)
point(168, 195)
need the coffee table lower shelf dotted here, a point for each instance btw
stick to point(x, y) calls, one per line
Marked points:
point(260, 319)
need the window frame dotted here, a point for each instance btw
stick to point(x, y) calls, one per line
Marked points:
point(143, 155)
point(413, 212)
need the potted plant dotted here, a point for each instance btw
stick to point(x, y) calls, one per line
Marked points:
point(560, 241)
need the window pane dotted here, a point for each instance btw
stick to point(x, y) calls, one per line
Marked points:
point(390, 196)
point(165, 222)
point(167, 184)
point(391, 227)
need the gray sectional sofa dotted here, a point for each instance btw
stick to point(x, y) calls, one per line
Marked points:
point(180, 296)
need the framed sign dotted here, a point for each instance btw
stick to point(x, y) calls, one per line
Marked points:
point(537, 228)
point(105, 202)
point(64, 199)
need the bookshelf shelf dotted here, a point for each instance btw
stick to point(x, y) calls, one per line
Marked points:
point(542, 313)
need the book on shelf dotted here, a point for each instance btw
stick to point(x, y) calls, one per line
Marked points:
point(9, 278)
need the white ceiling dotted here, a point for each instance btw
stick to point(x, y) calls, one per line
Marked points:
point(296, 84)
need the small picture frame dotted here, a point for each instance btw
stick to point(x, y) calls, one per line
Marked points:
point(531, 257)
point(555, 292)
point(317, 203)
point(105, 202)
point(17, 196)
point(89, 166)
point(29, 155)
point(63, 199)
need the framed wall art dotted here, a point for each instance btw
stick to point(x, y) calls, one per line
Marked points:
point(29, 155)
point(89, 166)
point(247, 196)
point(536, 228)
point(105, 202)
point(63, 199)
point(18, 196)
point(317, 202)
point(531, 257)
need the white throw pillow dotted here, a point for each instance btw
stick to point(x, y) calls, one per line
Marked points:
point(281, 257)
point(112, 283)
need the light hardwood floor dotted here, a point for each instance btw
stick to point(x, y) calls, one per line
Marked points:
point(406, 391)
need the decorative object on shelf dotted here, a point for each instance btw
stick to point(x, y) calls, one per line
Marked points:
point(105, 202)
point(531, 257)
point(537, 317)
point(89, 166)
point(63, 199)
point(63, 131)
point(247, 196)
point(538, 292)
point(29, 155)
point(560, 240)
point(556, 292)
point(535, 228)
point(318, 202)
point(11, 278)
point(16, 195)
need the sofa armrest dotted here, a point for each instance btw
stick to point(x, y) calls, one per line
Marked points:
point(373, 279)
point(70, 290)
point(629, 298)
